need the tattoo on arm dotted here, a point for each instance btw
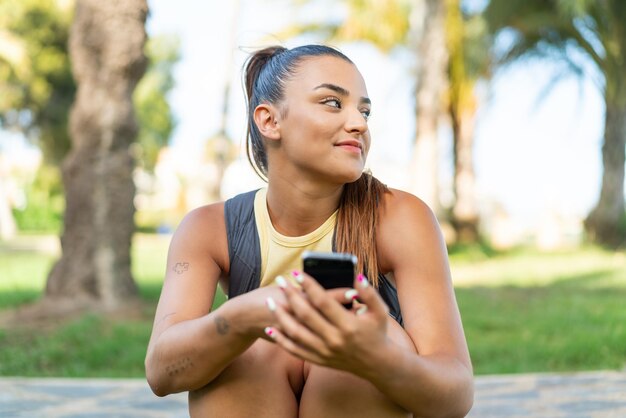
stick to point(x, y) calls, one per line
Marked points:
point(222, 325)
point(179, 367)
point(180, 268)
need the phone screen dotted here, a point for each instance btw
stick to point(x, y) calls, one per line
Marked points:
point(331, 270)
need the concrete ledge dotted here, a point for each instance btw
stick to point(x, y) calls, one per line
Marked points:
point(600, 394)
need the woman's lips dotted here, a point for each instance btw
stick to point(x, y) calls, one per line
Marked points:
point(351, 146)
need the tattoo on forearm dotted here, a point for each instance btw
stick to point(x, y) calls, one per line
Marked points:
point(179, 367)
point(222, 325)
point(180, 268)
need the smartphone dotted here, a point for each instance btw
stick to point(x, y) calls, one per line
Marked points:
point(331, 270)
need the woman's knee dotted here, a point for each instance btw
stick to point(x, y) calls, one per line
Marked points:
point(335, 393)
point(253, 383)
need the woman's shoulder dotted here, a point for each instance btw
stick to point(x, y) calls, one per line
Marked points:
point(204, 216)
point(401, 206)
point(202, 232)
point(407, 230)
point(405, 218)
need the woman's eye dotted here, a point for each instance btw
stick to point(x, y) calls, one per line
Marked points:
point(366, 113)
point(332, 102)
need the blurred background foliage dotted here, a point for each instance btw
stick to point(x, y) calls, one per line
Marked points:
point(35, 73)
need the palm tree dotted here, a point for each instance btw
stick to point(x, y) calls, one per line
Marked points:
point(107, 50)
point(551, 28)
point(432, 82)
point(468, 45)
point(220, 149)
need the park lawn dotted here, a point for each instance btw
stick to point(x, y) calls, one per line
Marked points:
point(523, 311)
point(534, 312)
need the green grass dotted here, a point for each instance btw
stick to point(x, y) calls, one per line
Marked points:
point(90, 346)
point(523, 311)
point(530, 311)
point(22, 277)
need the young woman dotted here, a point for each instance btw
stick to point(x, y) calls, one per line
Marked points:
point(282, 346)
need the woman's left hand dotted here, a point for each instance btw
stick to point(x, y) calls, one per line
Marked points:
point(317, 328)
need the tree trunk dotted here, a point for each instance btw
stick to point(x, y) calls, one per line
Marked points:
point(106, 47)
point(603, 225)
point(464, 212)
point(430, 91)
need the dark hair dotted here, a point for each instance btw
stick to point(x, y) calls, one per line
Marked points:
point(265, 74)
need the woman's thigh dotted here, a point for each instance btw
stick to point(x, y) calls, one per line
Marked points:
point(264, 381)
point(333, 393)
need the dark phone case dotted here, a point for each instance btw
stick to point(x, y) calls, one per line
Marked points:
point(331, 270)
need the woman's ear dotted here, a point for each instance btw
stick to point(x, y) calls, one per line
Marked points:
point(265, 117)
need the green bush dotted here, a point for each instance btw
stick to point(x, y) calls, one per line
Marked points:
point(45, 203)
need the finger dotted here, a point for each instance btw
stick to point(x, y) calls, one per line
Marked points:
point(301, 307)
point(296, 331)
point(368, 296)
point(275, 335)
point(329, 303)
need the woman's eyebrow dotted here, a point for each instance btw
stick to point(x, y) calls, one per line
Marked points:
point(340, 90)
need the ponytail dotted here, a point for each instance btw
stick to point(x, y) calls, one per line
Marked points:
point(356, 223)
point(255, 149)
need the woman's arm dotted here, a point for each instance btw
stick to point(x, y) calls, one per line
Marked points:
point(436, 382)
point(190, 345)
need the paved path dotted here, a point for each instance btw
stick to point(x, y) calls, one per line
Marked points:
point(579, 395)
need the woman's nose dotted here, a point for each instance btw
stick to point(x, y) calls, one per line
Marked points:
point(356, 122)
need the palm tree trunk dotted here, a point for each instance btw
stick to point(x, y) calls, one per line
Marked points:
point(106, 47)
point(464, 211)
point(603, 225)
point(431, 85)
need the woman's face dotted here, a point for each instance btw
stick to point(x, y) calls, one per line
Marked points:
point(323, 120)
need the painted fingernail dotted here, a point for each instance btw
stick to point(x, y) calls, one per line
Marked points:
point(361, 310)
point(281, 282)
point(298, 276)
point(271, 304)
point(269, 331)
point(362, 281)
point(351, 294)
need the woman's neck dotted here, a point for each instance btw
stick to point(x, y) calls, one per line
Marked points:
point(299, 207)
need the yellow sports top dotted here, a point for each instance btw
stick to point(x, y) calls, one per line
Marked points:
point(280, 254)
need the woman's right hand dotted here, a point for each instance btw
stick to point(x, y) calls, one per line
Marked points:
point(256, 313)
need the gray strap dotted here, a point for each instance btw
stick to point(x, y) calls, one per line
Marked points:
point(244, 249)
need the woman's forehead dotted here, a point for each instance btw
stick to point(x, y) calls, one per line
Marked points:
point(327, 69)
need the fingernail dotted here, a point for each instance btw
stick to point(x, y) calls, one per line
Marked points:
point(296, 275)
point(269, 331)
point(271, 304)
point(362, 281)
point(351, 294)
point(361, 310)
point(281, 282)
